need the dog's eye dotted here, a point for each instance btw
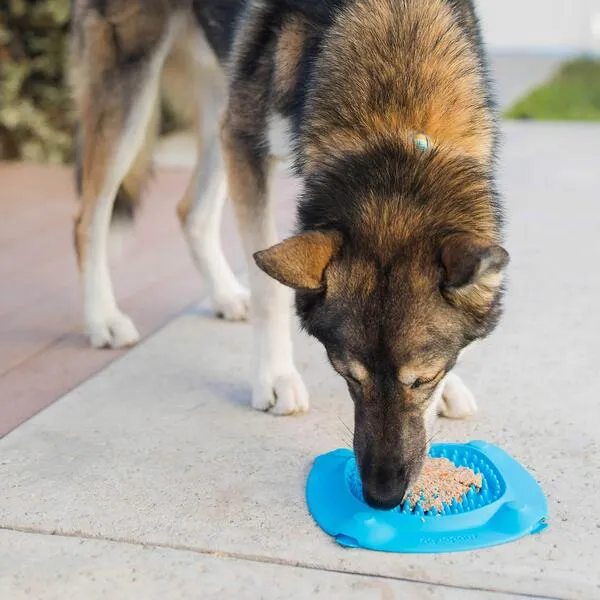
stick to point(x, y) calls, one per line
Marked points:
point(342, 371)
point(421, 382)
point(352, 380)
point(352, 371)
point(418, 383)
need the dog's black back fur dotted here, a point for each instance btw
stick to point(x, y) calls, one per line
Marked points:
point(218, 19)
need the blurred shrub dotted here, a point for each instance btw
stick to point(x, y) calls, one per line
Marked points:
point(35, 108)
point(35, 114)
point(571, 94)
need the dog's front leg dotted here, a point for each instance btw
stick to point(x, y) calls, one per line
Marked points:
point(277, 386)
point(457, 400)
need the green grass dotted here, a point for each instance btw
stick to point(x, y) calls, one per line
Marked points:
point(573, 94)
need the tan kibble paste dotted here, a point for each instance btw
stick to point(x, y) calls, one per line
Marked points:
point(441, 481)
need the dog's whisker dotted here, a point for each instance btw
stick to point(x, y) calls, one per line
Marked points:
point(429, 441)
point(345, 426)
point(347, 434)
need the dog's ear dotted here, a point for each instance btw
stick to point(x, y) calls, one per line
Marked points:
point(473, 272)
point(300, 261)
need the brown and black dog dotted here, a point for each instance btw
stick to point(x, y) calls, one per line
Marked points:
point(385, 108)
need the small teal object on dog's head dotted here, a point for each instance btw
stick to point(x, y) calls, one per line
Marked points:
point(422, 142)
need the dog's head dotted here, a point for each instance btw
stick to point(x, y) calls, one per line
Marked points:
point(392, 332)
point(394, 299)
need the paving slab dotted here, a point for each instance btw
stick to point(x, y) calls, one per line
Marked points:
point(64, 568)
point(162, 449)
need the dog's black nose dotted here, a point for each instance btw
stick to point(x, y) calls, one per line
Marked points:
point(384, 487)
point(382, 502)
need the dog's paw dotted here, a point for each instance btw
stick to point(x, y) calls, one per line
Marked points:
point(232, 304)
point(281, 394)
point(457, 400)
point(116, 330)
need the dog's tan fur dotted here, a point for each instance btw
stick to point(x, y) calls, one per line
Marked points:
point(99, 108)
point(290, 46)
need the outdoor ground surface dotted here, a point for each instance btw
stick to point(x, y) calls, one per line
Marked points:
point(153, 479)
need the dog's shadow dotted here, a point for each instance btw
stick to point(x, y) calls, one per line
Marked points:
point(236, 394)
point(234, 386)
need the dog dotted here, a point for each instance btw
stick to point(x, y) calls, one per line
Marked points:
point(386, 110)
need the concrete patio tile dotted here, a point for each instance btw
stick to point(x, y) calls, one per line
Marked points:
point(161, 447)
point(58, 568)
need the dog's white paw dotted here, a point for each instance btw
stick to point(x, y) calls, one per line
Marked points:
point(281, 394)
point(457, 400)
point(231, 304)
point(116, 330)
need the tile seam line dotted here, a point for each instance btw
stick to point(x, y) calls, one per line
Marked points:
point(255, 558)
point(10, 312)
point(76, 329)
point(19, 363)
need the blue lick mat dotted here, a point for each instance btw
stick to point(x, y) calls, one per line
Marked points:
point(509, 505)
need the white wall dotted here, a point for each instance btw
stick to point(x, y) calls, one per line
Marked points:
point(541, 26)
